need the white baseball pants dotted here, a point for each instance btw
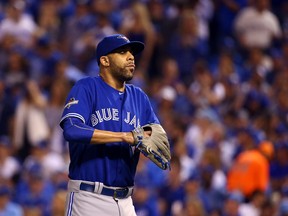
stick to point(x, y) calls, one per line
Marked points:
point(85, 203)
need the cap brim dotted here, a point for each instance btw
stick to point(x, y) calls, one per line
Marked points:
point(136, 47)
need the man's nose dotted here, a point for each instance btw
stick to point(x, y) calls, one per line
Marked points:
point(130, 55)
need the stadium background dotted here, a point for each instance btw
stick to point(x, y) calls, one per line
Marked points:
point(216, 72)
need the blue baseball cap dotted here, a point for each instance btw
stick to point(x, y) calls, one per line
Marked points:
point(110, 43)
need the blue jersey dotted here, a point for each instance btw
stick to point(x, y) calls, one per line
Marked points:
point(102, 107)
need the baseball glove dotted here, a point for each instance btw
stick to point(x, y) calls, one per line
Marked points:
point(156, 146)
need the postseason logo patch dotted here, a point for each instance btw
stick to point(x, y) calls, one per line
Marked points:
point(71, 102)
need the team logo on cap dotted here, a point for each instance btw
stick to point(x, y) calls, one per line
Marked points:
point(123, 37)
point(72, 101)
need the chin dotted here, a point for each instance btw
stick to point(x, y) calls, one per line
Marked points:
point(128, 78)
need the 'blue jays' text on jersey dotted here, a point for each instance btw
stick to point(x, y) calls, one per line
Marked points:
point(102, 107)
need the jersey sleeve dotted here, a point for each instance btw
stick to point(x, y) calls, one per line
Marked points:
point(149, 112)
point(78, 103)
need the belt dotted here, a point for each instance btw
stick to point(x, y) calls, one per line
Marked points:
point(119, 193)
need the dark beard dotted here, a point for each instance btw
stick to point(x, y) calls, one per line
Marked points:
point(121, 74)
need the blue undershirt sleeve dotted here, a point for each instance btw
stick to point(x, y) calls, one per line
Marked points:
point(74, 130)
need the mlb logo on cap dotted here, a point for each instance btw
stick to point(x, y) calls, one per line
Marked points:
point(123, 37)
point(111, 43)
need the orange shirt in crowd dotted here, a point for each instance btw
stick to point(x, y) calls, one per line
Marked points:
point(250, 172)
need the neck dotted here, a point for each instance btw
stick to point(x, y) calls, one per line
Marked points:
point(114, 83)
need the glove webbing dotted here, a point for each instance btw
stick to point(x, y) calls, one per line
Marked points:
point(155, 155)
point(163, 164)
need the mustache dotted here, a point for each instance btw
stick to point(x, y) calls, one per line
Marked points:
point(130, 64)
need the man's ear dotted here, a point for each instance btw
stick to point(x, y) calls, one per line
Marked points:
point(104, 60)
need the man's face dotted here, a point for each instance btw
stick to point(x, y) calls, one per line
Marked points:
point(262, 5)
point(122, 65)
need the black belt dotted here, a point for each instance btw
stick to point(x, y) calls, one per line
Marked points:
point(115, 193)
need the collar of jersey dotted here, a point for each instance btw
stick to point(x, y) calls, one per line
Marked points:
point(110, 88)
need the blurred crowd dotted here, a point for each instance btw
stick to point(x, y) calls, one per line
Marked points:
point(216, 72)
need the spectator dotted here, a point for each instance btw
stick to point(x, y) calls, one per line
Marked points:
point(279, 166)
point(7, 206)
point(170, 79)
point(53, 111)
point(193, 193)
point(173, 191)
point(81, 19)
point(193, 208)
point(186, 45)
point(146, 174)
point(204, 10)
point(246, 140)
point(167, 96)
point(256, 103)
point(222, 22)
point(9, 165)
point(67, 71)
point(232, 203)
point(144, 201)
point(18, 24)
point(280, 8)
point(204, 91)
point(170, 72)
point(84, 45)
point(229, 147)
point(42, 60)
point(34, 192)
point(211, 166)
point(7, 110)
point(31, 126)
point(51, 162)
point(211, 196)
point(110, 9)
point(268, 208)
point(188, 166)
point(200, 131)
point(162, 24)
point(254, 206)
point(49, 22)
point(16, 70)
point(257, 63)
point(138, 26)
point(227, 69)
point(257, 26)
point(283, 211)
point(280, 95)
point(75, 28)
point(255, 176)
point(58, 203)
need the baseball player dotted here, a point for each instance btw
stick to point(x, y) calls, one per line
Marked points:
point(108, 123)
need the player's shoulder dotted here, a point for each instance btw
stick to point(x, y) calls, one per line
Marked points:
point(134, 89)
point(87, 82)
